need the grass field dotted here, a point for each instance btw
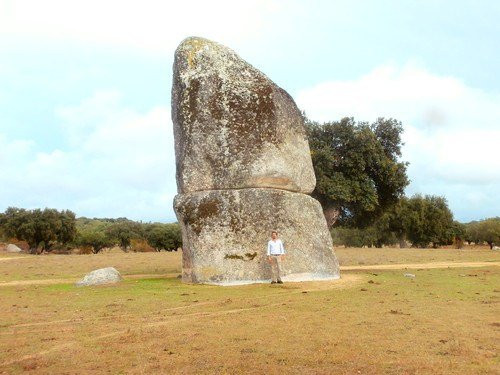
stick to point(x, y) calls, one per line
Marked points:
point(374, 320)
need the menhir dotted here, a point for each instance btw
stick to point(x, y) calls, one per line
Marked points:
point(243, 169)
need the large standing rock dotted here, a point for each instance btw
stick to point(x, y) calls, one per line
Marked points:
point(243, 169)
point(108, 275)
point(226, 234)
point(233, 127)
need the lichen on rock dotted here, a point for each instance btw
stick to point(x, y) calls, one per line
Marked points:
point(243, 168)
point(234, 128)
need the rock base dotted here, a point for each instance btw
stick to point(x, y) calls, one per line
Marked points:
point(225, 233)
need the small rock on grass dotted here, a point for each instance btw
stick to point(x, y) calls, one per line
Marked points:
point(101, 276)
point(11, 248)
point(410, 275)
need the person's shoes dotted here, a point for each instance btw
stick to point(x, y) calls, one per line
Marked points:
point(273, 282)
point(280, 282)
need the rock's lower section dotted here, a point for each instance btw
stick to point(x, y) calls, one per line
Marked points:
point(225, 233)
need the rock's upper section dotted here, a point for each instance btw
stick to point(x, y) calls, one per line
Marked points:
point(233, 127)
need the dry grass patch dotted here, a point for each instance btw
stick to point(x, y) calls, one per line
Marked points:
point(36, 267)
point(444, 321)
point(372, 256)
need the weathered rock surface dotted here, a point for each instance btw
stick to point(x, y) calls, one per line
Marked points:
point(107, 275)
point(234, 128)
point(225, 234)
point(11, 248)
point(243, 169)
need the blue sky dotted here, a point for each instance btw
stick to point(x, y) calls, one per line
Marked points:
point(85, 91)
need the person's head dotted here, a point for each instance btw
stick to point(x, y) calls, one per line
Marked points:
point(274, 234)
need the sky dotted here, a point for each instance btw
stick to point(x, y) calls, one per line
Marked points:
point(85, 88)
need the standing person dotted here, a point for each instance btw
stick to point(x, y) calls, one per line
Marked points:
point(275, 252)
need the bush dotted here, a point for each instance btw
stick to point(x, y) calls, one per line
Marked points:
point(140, 246)
point(93, 238)
point(164, 236)
point(123, 232)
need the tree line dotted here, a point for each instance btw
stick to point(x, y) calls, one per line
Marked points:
point(360, 185)
point(487, 230)
point(125, 233)
point(48, 229)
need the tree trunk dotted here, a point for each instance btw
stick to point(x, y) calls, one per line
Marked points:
point(331, 215)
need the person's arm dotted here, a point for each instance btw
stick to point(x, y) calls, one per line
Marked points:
point(282, 248)
point(268, 249)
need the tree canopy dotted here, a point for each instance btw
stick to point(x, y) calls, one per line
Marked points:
point(422, 220)
point(487, 230)
point(164, 236)
point(122, 232)
point(357, 168)
point(94, 239)
point(41, 229)
point(427, 220)
point(101, 233)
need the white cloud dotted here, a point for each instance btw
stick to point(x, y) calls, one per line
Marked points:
point(451, 130)
point(407, 92)
point(148, 25)
point(13, 150)
point(113, 160)
point(118, 163)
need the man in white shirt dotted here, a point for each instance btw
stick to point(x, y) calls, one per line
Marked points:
point(275, 252)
